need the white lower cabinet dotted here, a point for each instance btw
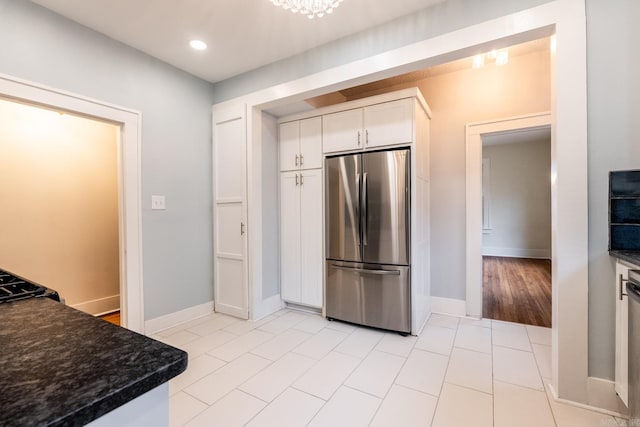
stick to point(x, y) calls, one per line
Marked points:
point(301, 258)
point(622, 328)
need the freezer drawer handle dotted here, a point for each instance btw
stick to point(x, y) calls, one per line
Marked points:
point(364, 270)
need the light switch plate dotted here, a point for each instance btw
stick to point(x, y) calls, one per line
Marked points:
point(157, 203)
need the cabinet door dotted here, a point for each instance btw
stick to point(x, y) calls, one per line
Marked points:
point(290, 236)
point(622, 338)
point(311, 263)
point(289, 146)
point(231, 289)
point(311, 143)
point(342, 131)
point(389, 123)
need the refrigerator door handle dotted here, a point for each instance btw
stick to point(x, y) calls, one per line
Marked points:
point(358, 199)
point(365, 209)
point(364, 270)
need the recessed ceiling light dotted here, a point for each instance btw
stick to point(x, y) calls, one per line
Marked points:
point(198, 44)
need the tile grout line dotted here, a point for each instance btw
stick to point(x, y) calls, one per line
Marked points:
point(544, 386)
point(435, 410)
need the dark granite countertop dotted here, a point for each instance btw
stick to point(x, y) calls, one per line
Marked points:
point(62, 367)
point(630, 256)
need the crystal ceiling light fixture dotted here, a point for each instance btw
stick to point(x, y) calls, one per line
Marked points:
point(311, 8)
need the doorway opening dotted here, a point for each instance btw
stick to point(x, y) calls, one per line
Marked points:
point(128, 143)
point(62, 230)
point(516, 226)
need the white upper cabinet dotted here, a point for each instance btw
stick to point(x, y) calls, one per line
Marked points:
point(311, 143)
point(342, 131)
point(384, 124)
point(389, 123)
point(289, 145)
point(301, 144)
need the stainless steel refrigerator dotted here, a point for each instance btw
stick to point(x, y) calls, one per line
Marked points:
point(368, 239)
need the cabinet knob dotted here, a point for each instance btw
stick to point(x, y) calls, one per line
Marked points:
point(358, 138)
point(296, 160)
point(297, 180)
point(366, 137)
point(301, 160)
point(301, 179)
point(241, 228)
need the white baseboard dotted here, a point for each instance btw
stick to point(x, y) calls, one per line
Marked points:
point(100, 306)
point(517, 252)
point(449, 306)
point(601, 393)
point(173, 319)
point(266, 307)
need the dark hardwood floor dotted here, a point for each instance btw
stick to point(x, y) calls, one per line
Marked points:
point(517, 290)
point(112, 318)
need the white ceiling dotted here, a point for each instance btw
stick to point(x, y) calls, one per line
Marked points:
point(241, 34)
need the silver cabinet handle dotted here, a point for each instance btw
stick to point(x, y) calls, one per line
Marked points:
point(620, 283)
point(364, 270)
point(301, 179)
point(358, 138)
point(366, 139)
point(301, 160)
point(241, 228)
point(296, 160)
point(297, 180)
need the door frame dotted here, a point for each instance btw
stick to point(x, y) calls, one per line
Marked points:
point(565, 18)
point(129, 180)
point(474, 134)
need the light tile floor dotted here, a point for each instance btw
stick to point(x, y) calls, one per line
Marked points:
point(298, 369)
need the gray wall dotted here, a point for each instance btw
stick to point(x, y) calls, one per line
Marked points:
point(613, 102)
point(613, 68)
point(42, 47)
point(520, 199)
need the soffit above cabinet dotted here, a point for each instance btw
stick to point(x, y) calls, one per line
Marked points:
point(413, 92)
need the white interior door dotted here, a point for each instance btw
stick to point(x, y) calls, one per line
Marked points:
point(229, 212)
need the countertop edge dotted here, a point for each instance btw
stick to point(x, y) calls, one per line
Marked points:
point(629, 256)
point(120, 397)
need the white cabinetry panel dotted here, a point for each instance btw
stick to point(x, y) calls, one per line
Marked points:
point(229, 212)
point(289, 145)
point(378, 125)
point(389, 123)
point(622, 328)
point(301, 237)
point(228, 230)
point(311, 143)
point(290, 236)
point(301, 144)
point(342, 131)
point(311, 262)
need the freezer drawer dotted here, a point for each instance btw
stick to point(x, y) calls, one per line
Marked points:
point(369, 294)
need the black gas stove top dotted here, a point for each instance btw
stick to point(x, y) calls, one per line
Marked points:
point(14, 288)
